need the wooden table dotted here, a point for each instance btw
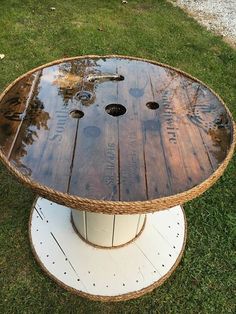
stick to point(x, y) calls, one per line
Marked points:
point(114, 145)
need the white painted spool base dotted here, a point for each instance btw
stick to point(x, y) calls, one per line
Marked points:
point(106, 274)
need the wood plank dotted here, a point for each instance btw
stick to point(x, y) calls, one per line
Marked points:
point(95, 172)
point(197, 162)
point(210, 117)
point(130, 93)
point(79, 221)
point(157, 171)
point(125, 228)
point(99, 229)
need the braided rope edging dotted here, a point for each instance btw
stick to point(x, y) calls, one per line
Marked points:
point(121, 207)
point(122, 297)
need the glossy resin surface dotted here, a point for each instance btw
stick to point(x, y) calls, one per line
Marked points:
point(114, 129)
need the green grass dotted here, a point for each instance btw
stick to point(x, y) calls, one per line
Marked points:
point(30, 35)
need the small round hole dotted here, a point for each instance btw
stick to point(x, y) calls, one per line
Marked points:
point(123, 284)
point(94, 284)
point(115, 110)
point(78, 279)
point(76, 114)
point(121, 78)
point(65, 273)
point(152, 105)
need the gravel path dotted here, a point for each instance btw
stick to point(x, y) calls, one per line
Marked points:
point(218, 16)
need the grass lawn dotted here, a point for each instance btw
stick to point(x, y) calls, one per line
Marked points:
point(31, 34)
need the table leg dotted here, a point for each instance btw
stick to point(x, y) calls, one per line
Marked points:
point(107, 231)
point(101, 273)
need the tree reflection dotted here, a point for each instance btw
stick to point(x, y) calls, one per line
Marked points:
point(72, 81)
point(21, 123)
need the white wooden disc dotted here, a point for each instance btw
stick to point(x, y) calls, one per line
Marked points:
point(106, 274)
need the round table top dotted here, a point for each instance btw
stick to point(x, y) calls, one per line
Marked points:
point(114, 134)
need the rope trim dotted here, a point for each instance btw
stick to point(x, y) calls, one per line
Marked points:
point(122, 297)
point(121, 207)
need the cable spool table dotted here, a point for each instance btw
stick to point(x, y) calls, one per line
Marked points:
point(113, 146)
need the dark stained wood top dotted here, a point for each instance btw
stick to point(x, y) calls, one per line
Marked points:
point(114, 129)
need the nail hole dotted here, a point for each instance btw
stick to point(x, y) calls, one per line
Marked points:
point(94, 284)
point(170, 255)
point(152, 105)
point(168, 226)
point(163, 265)
point(136, 280)
point(107, 286)
point(53, 262)
point(76, 114)
point(37, 229)
point(89, 272)
point(41, 242)
point(47, 221)
point(47, 255)
point(123, 284)
point(174, 247)
point(115, 110)
point(154, 271)
point(65, 273)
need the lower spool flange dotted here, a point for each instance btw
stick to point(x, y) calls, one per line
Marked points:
point(106, 274)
